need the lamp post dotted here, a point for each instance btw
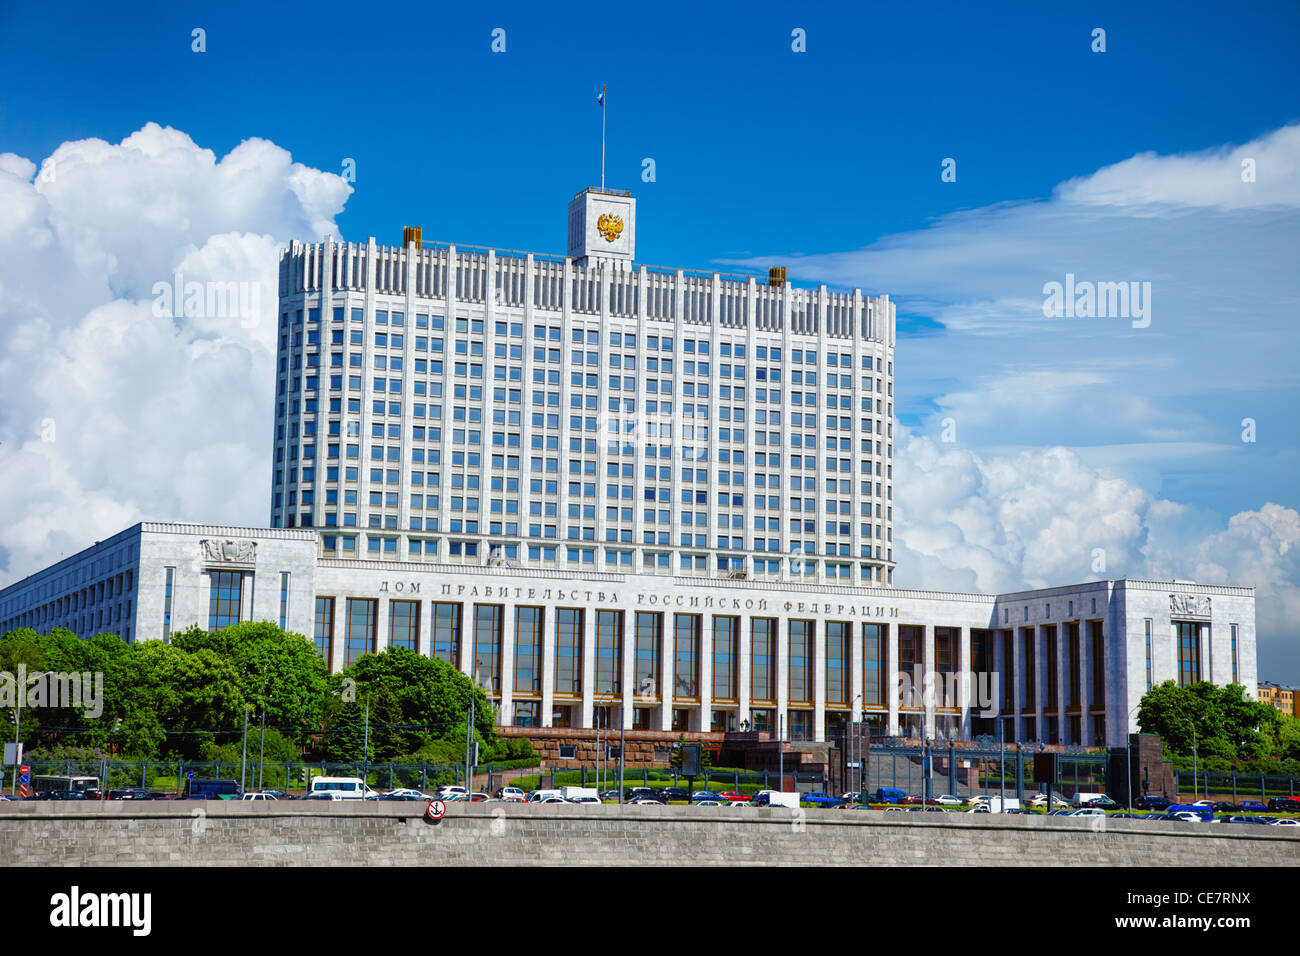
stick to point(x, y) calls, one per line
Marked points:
point(1193, 726)
point(18, 722)
point(1128, 754)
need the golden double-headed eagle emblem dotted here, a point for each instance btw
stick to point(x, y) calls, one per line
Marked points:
point(610, 226)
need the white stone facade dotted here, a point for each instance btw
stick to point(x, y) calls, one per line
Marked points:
point(1080, 708)
point(440, 404)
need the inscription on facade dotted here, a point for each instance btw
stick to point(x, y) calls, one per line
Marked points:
point(399, 587)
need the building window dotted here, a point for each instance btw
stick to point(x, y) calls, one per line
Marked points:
point(1049, 648)
point(649, 640)
point(1075, 691)
point(404, 624)
point(911, 661)
point(686, 655)
point(224, 597)
point(323, 629)
point(801, 662)
point(361, 623)
point(762, 660)
point(1031, 672)
point(1233, 628)
point(946, 642)
point(609, 652)
point(1008, 673)
point(167, 604)
point(284, 600)
point(1147, 623)
point(875, 664)
point(487, 647)
point(837, 661)
point(1098, 641)
point(568, 651)
point(1189, 652)
point(526, 713)
point(528, 653)
point(446, 632)
point(725, 631)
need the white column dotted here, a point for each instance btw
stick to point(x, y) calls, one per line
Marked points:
point(506, 715)
point(819, 680)
point(782, 648)
point(548, 617)
point(588, 665)
point(381, 622)
point(706, 671)
point(744, 666)
point(891, 672)
point(628, 669)
point(667, 684)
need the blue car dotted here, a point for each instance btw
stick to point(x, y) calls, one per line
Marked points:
point(819, 799)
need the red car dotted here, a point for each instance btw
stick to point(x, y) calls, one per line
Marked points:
point(734, 796)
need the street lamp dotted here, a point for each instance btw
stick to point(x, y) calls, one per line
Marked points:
point(1193, 726)
point(18, 724)
point(1128, 753)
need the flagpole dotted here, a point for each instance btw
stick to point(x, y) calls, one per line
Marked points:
point(602, 139)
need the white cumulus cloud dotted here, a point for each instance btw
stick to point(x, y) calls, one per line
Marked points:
point(117, 407)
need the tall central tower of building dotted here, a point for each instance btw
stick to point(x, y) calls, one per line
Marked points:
point(456, 404)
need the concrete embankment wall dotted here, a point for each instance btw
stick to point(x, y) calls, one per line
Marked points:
point(217, 833)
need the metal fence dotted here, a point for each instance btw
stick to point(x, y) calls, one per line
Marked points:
point(1233, 786)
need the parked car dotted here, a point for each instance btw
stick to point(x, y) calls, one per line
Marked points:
point(1253, 806)
point(948, 800)
point(1152, 802)
point(451, 793)
point(406, 796)
point(674, 793)
point(1285, 804)
point(1284, 822)
point(506, 793)
point(705, 795)
point(1102, 802)
point(820, 799)
point(330, 795)
point(257, 795)
point(1088, 812)
point(733, 796)
point(1241, 818)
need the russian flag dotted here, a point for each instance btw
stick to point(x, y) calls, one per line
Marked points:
point(600, 97)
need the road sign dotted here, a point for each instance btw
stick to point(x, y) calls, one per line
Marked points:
point(13, 754)
point(24, 779)
point(189, 775)
point(435, 810)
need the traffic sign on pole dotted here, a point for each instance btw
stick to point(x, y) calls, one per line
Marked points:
point(24, 782)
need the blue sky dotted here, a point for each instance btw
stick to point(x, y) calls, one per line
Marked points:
point(1120, 165)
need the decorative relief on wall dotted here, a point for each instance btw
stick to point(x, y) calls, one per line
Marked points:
point(229, 551)
point(1189, 605)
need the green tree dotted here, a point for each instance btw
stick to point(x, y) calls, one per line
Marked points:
point(416, 702)
point(279, 669)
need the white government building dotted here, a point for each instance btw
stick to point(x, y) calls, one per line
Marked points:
point(623, 495)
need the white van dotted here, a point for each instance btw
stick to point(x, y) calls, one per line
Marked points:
point(1079, 799)
point(537, 796)
point(580, 794)
point(348, 788)
point(776, 798)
